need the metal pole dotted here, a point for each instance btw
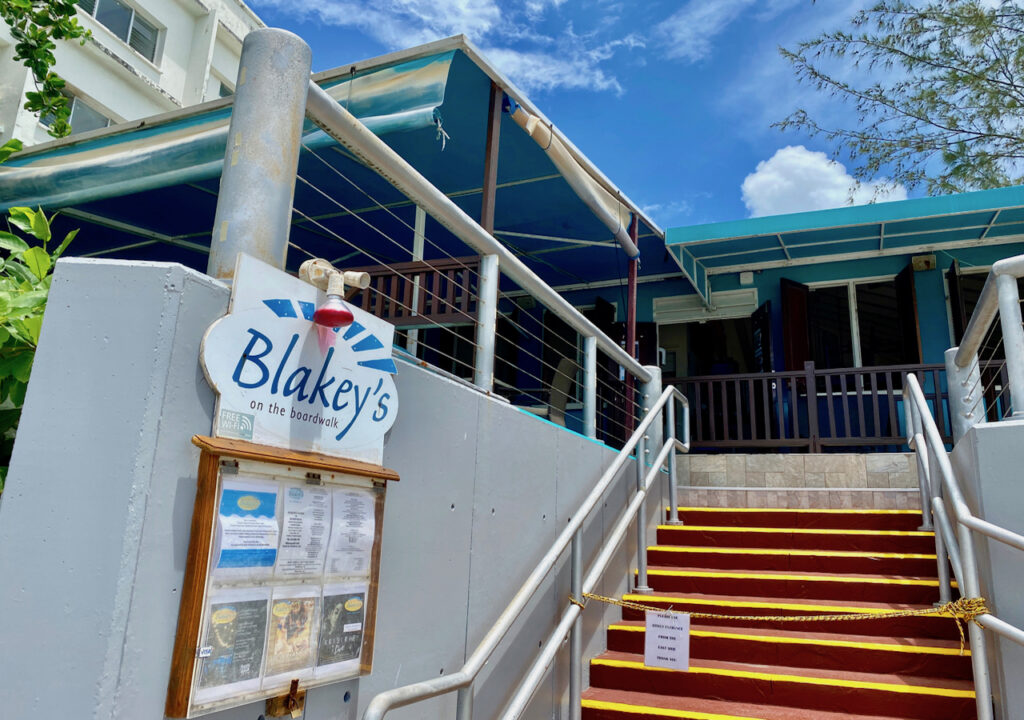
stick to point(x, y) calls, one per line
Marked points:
point(464, 703)
point(923, 482)
point(634, 264)
point(650, 391)
point(673, 497)
point(418, 238)
point(486, 323)
point(590, 386)
point(964, 386)
point(641, 520)
point(979, 653)
point(254, 207)
point(1013, 338)
point(576, 631)
point(490, 185)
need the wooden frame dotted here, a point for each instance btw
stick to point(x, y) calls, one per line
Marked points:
point(216, 453)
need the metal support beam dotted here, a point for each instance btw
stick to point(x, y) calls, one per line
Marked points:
point(965, 393)
point(634, 264)
point(641, 519)
point(418, 237)
point(590, 386)
point(257, 186)
point(576, 630)
point(1013, 339)
point(491, 159)
point(486, 323)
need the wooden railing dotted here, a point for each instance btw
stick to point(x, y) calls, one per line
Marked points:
point(859, 408)
point(443, 292)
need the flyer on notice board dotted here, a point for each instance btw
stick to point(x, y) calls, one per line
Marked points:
point(341, 631)
point(307, 521)
point(352, 532)
point(247, 529)
point(292, 643)
point(233, 643)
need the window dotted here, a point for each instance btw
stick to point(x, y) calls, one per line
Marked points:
point(83, 117)
point(122, 20)
point(224, 91)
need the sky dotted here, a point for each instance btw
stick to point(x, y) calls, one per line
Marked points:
point(673, 101)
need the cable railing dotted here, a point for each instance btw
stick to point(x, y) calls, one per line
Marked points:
point(947, 511)
point(648, 432)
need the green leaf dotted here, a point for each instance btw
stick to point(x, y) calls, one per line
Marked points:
point(9, 148)
point(30, 299)
point(17, 393)
point(41, 227)
point(37, 260)
point(12, 243)
point(21, 218)
point(20, 272)
point(33, 325)
point(64, 244)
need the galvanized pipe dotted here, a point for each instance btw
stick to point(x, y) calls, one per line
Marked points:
point(257, 185)
point(964, 385)
point(590, 386)
point(979, 652)
point(1013, 339)
point(464, 703)
point(486, 323)
point(576, 630)
point(540, 666)
point(923, 482)
point(673, 493)
point(641, 519)
point(408, 694)
point(375, 154)
point(949, 537)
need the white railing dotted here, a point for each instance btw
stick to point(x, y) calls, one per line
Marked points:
point(942, 500)
point(571, 539)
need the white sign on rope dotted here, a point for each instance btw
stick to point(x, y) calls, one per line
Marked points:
point(667, 640)
point(286, 382)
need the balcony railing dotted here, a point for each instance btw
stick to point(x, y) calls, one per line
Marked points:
point(411, 294)
point(810, 410)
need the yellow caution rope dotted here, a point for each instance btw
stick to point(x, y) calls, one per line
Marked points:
point(961, 611)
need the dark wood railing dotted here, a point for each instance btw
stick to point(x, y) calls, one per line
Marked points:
point(445, 294)
point(810, 409)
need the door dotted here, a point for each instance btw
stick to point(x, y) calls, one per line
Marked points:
point(906, 310)
point(795, 339)
point(761, 325)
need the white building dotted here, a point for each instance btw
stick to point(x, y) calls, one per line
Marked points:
point(145, 57)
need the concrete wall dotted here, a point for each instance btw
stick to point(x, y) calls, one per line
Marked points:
point(988, 460)
point(94, 523)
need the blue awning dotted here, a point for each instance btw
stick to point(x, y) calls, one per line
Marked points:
point(985, 217)
point(147, 189)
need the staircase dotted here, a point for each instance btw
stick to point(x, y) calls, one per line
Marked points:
point(764, 562)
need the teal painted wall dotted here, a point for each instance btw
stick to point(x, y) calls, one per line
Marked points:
point(929, 287)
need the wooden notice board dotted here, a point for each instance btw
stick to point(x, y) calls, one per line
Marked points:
point(280, 588)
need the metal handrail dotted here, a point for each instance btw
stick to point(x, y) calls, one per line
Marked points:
point(953, 536)
point(462, 680)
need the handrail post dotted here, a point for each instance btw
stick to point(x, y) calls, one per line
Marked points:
point(641, 520)
point(924, 483)
point(254, 207)
point(964, 386)
point(464, 703)
point(979, 651)
point(486, 323)
point(650, 391)
point(673, 496)
point(1013, 338)
point(576, 631)
point(590, 386)
point(813, 431)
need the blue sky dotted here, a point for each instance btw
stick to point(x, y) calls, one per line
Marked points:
point(672, 100)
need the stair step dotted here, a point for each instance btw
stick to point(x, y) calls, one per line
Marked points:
point(740, 608)
point(790, 648)
point(780, 583)
point(840, 561)
point(604, 704)
point(900, 541)
point(803, 518)
point(812, 688)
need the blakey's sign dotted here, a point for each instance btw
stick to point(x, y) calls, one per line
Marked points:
point(286, 382)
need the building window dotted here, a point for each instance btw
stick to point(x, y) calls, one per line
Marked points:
point(857, 324)
point(83, 117)
point(122, 20)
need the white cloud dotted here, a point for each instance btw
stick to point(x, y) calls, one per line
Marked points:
point(689, 31)
point(534, 56)
point(796, 179)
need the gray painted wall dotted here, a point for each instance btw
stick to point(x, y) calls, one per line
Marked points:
point(988, 459)
point(94, 522)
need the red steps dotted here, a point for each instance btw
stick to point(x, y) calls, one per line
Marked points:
point(742, 564)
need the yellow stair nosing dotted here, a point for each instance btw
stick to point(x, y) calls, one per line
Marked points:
point(662, 712)
point(889, 647)
point(774, 677)
point(825, 511)
point(786, 551)
point(800, 531)
point(817, 609)
point(870, 580)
